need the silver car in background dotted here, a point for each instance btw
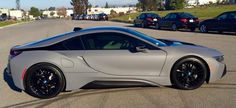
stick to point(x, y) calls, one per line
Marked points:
point(110, 56)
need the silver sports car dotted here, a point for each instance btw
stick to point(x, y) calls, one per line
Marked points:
point(110, 56)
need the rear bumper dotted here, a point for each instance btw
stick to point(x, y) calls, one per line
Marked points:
point(188, 25)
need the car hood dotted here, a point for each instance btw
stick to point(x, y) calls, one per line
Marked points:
point(179, 47)
point(170, 42)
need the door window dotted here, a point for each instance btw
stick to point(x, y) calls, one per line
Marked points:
point(142, 16)
point(173, 16)
point(167, 16)
point(222, 17)
point(232, 16)
point(112, 41)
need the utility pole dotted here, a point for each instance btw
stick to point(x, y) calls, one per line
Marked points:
point(18, 4)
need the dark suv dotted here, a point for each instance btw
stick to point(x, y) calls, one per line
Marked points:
point(178, 20)
point(224, 22)
point(146, 20)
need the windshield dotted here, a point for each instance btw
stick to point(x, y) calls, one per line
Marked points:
point(148, 38)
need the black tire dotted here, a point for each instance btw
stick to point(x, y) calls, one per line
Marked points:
point(220, 32)
point(174, 27)
point(143, 25)
point(192, 29)
point(189, 73)
point(135, 25)
point(157, 26)
point(44, 81)
point(203, 28)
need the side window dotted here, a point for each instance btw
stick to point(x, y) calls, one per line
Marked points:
point(112, 41)
point(168, 16)
point(173, 16)
point(222, 17)
point(142, 16)
point(73, 44)
point(232, 16)
point(70, 44)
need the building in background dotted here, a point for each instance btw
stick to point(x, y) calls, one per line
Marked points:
point(16, 14)
point(203, 2)
point(69, 12)
point(99, 10)
point(4, 12)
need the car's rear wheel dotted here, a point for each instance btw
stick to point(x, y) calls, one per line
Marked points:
point(203, 28)
point(173, 27)
point(143, 25)
point(189, 73)
point(44, 81)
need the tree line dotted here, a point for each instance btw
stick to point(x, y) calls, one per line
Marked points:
point(152, 5)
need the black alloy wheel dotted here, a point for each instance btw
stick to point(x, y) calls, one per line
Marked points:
point(174, 27)
point(44, 81)
point(188, 74)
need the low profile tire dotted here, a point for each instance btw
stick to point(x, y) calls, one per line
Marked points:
point(143, 25)
point(203, 28)
point(174, 27)
point(192, 29)
point(188, 74)
point(44, 81)
point(157, 26)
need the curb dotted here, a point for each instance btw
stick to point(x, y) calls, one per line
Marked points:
point(15, 24)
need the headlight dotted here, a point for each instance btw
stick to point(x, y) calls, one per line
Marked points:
point(219, 58)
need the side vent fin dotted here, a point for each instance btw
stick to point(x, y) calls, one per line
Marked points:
point(77, 29)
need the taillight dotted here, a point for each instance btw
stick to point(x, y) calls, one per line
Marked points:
point(14, 53)
point(149, 19)
point(197, 20)
point(183, 20)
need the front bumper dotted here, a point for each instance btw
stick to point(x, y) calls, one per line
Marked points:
point(224, 72)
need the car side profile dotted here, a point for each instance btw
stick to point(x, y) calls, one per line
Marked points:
point(146, 20)
point(110, 56)
point(225, 22)
point(178, 20)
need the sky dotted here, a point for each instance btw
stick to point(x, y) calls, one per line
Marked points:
point(42, 4)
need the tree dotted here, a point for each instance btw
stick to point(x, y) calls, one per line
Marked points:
point(52, 8)
point(174, 4)
point(34, 11)
point(52, 14)
point(80, 6)
point(106, 6)
point(149, 5)
point(61, 11)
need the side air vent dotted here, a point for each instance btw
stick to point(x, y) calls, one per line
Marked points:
point(77, 29)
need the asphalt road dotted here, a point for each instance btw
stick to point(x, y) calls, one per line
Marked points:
point(219, 94)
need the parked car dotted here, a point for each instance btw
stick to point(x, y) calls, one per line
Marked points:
point(102, 17)
point(224, 22)
point(178, 20)
point(110, 56)
point(146, 20)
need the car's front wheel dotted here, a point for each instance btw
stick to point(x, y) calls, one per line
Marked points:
point(203, 28)
point(189, 73)
point(44, 81)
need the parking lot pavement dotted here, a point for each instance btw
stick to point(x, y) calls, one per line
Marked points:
point(219, 94)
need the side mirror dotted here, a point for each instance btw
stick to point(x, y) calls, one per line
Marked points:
point(141, 49)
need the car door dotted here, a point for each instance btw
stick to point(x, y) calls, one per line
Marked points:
point(164, 22)
point(231, 22)
point(140, 19)
point(172, 20)
point(114, 53)
point(220, 23)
